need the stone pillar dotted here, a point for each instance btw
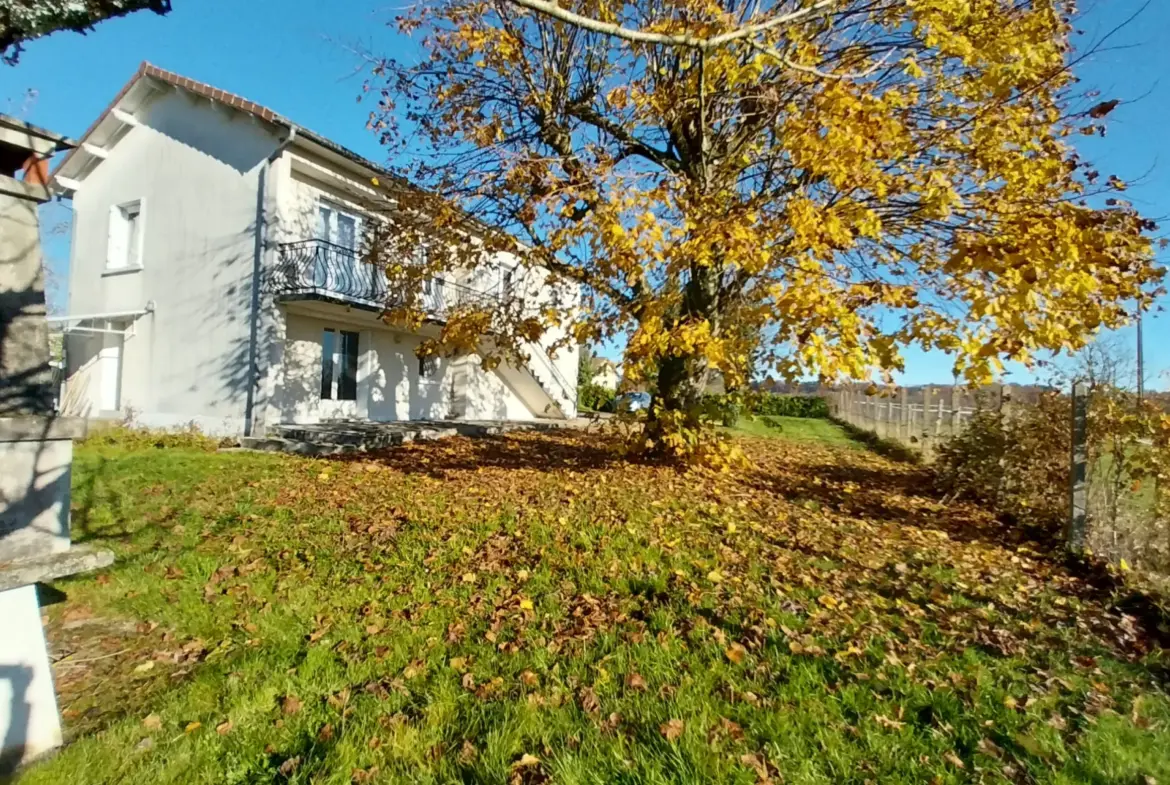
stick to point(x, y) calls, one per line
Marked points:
point(36, 455)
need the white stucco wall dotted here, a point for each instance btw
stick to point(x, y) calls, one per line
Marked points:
point(389, 385)
point(196, 167)
point(305, 181)
point(489, 398)
point(606, 377)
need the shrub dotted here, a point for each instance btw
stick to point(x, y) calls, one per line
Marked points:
point(772, 422)
point(131, 437)
point(725, 409)
point(790, 406)
point(1017, 463)
point(731, 406)
point(596, 398)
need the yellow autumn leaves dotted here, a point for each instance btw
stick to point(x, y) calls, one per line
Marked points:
point(816, 196)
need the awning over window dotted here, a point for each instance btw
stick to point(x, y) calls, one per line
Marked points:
point(110, 323)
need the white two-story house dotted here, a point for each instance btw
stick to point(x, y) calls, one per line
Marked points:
point(215, 279)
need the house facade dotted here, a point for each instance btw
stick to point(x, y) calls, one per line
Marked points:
point(605, 373)
point(215, 279)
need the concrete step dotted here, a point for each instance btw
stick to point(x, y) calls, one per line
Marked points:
point(294, 447)
point(342, 438)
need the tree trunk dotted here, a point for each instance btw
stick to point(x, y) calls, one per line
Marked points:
point(682, 379)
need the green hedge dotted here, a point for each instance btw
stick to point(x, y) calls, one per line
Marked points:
point(595, 398)
point(774, 405)
point(728, 408)
point(723, 408)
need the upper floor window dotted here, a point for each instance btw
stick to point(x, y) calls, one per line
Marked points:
point(337, 226)
point(124, 248)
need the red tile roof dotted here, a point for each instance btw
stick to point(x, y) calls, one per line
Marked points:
point(228, 99)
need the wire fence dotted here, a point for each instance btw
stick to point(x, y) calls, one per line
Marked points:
point(1053, 445)
point(921, 418)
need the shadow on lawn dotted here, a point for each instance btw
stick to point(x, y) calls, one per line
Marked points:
point(94, 493)
point(905, 496)
point(900, 495)
point(560, 452)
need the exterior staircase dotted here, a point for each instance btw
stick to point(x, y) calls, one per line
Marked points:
point(543, 388)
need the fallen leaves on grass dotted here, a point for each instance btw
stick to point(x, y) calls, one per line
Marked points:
point(549, 554)
point(736, 653)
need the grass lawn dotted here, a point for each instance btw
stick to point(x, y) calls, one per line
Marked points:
point(798, 429)
point(532, 609)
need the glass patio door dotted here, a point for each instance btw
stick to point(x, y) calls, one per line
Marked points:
point(337, 267)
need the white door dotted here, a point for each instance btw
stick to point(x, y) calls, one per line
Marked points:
point(427, 401)
point(338, 268)
point(338, 397)
point(110, 374)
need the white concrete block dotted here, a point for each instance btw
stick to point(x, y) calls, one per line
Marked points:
point(29, 723)
point(34, 497)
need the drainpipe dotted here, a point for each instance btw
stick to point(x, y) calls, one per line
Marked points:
point(261, 241)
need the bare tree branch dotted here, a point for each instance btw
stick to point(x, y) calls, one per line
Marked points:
point(550, 8)
point(813, 70)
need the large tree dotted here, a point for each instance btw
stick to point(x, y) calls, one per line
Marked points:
point(23, 20)
point(842, 178)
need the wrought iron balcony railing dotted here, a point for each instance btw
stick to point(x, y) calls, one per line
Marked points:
point(323, 270)
point(318, 268)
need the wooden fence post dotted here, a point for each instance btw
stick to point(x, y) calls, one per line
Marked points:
point(939, 420)
point(956, 410)
point(1078, 470)
point(904, 428)
point(927, 400)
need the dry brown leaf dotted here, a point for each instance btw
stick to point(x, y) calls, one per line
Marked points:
point(363, 776)
point(291, 704)
point(635, 681)
point(672, 729)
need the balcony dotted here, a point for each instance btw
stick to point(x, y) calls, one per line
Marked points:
point(320, 270)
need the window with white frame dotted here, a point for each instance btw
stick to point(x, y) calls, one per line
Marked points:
point(428, 367)
point(337, 226)
point(339, 364)
point(124, 244)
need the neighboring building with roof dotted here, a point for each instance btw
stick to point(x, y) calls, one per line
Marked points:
point(215, 279)
point(605, 373)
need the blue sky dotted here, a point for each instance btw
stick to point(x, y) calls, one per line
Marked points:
point(299, 58)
